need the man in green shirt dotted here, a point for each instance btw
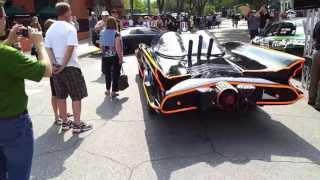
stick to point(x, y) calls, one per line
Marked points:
point(16, 134)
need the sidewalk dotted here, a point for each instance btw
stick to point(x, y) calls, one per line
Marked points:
point(227, 33)
point(85, 48)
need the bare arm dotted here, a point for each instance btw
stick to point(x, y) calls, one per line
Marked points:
point(67, 55)
point(44, 58)
point(99, 26)
point(51, 55)
point(119, 49)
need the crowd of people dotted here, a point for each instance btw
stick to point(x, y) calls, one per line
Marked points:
point(258, 21)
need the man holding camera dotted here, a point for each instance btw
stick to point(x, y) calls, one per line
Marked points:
point(16, 134)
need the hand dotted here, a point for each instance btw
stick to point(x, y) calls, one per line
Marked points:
point(35, 36)
point(120, 60)
point(13, 36)
point(57, 70)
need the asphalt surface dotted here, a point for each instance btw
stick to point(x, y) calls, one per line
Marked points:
point(127, 143)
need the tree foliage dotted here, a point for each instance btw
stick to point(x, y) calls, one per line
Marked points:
point(198, 7)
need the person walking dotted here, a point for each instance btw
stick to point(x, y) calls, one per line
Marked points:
point(112, 55)
point(36, 25)
point(314, 89)
point(75, 23)
point(92, 22)
point(264, 17)
point(61, 42)
point(16, 133)
point(117, 15)
point(253, 24)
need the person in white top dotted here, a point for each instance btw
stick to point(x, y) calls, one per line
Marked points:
point(131, 22)
point(61, 42)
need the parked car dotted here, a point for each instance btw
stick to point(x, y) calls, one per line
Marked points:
point(191, 71)
point(287, 36)
point(132, 36)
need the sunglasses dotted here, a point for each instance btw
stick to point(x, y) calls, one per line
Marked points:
point(114, 11)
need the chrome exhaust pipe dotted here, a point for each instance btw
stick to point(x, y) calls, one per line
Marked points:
point(210, 48)
point(190, 53)
point(199, 49)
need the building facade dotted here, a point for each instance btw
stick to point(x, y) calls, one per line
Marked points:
point(45, 9)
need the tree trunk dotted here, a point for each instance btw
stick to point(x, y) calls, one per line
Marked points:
point(160, 4)
point(131, 7)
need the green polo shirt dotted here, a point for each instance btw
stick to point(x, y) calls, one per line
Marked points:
point(14, 69)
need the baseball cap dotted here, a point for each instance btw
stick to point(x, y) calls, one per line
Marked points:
point(105, 13)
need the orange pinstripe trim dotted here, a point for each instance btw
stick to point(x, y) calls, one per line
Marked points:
point(147, 96)
point(179, 110)
point(236, 83)
point(286, 68)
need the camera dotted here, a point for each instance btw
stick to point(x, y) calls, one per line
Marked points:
point(23, 33)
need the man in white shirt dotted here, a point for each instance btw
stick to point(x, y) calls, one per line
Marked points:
point(61, 42)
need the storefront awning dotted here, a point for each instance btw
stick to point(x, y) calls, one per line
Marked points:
point(48, 12)
point(12, 10)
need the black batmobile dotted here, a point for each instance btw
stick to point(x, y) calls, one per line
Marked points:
point(132, 36)
point(184, 72)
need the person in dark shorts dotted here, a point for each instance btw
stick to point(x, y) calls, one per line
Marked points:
point(61, 42)
point(54, 99)
point(112, 55)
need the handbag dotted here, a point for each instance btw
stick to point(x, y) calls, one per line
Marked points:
point(123, 81)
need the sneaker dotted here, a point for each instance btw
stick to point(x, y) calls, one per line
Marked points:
point(67, 125)
point(82, 127)
point(58, 122)
point(114, 94)
point(310, 102)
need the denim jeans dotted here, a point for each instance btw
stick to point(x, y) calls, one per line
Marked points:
point(16, 148)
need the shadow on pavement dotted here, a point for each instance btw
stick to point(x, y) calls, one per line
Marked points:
point(110, 107)
point(55, 150)
point(100, 79)
point(237, 138)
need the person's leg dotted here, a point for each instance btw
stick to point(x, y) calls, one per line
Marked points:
point(54, 104)
point(62, 94)
point(315, 72)
point(107, 63)
point(54, 101)
point(19, 151)
point(78, 90)
point(76, 108)
point(115, 77)
point(62, 106)
point(317, 102)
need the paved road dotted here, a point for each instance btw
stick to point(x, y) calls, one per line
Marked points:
point(129, 144)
